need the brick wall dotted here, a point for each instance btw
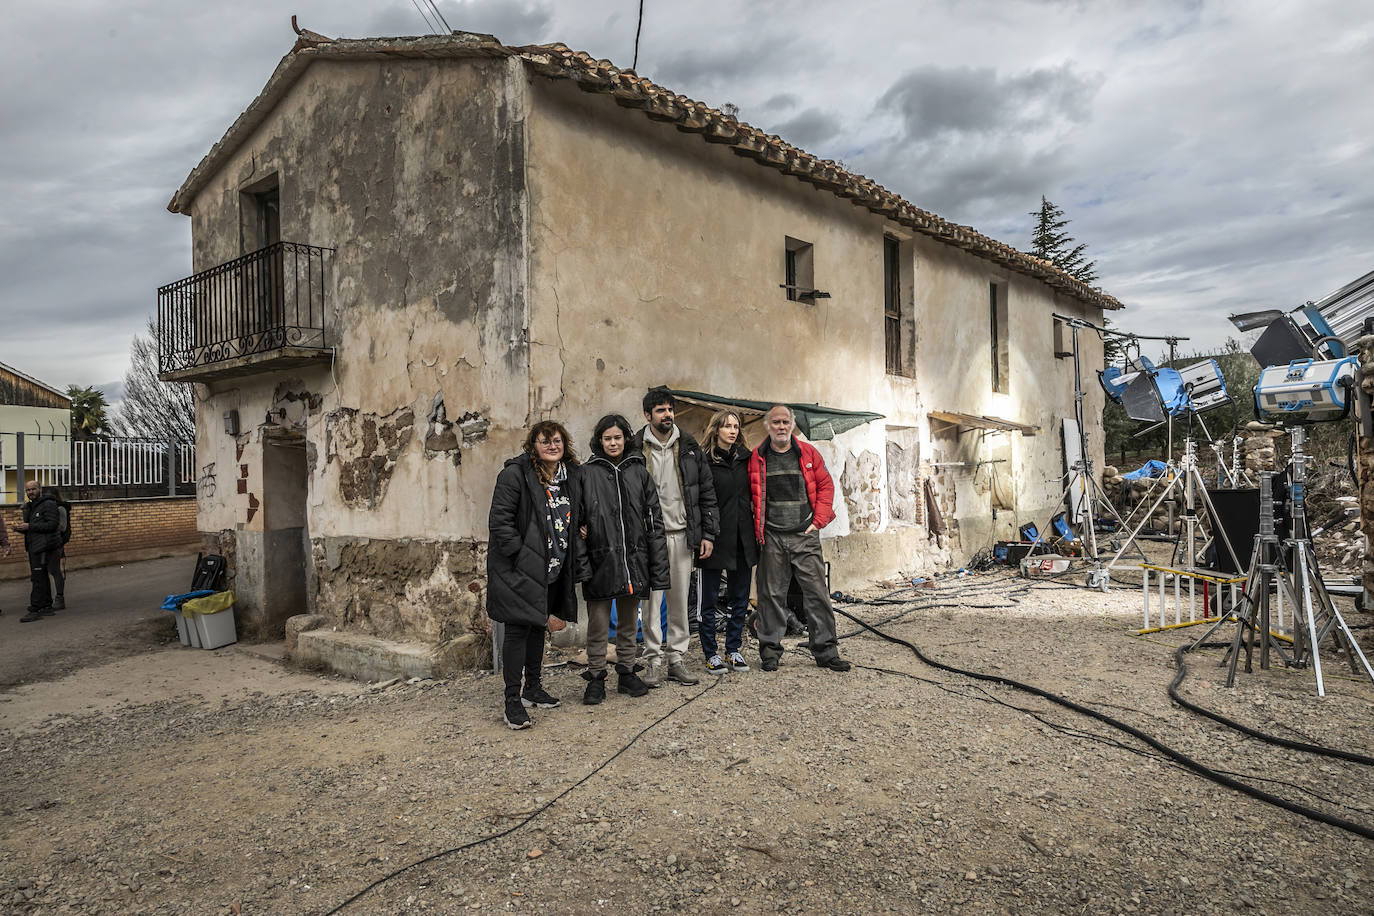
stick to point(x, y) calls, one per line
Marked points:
point(116, 525)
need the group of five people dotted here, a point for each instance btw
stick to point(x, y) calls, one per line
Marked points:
point(631, 523)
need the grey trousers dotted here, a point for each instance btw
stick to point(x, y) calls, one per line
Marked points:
point(599, 628)
point(656, 647)
point(780, 557)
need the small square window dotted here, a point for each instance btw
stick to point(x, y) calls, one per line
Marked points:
point(799, 273)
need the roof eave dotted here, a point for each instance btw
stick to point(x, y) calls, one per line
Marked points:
point(557, 61)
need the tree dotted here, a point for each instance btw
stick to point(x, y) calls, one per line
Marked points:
point(88, 412)
point(152, 408)
point(1050, 242)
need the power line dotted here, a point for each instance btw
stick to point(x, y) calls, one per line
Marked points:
point(429, 24)
point(638, 26)
point(434, 6)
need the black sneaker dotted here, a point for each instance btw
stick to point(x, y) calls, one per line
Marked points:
point(834, 664)
point(59, 603)
point(538, 696)
point(596, 688)
point(630, 682)
point(515, 715)
point(30, 617)
point(769, 664)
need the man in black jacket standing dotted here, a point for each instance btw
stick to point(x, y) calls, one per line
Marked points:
point(687, 496)
point(41, 536)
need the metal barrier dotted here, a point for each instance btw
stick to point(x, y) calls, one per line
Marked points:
point(91, 468)
point(1164, 576)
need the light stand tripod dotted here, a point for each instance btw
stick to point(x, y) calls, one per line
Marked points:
point(1290, 570)
point(1083, 490)
point(1188, 484)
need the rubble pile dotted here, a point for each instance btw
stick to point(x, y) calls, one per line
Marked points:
point(1258, 448)
point(1127, 495)
point(1337, 538)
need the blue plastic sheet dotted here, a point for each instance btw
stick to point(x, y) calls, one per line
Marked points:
point(174, 602)
point(1151, 468)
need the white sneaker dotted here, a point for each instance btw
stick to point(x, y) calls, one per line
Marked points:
point(714, 665)
point(737, 662)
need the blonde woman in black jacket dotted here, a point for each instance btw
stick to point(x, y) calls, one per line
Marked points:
point(626, 550)
point(736, 549)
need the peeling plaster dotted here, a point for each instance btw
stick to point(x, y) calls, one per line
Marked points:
point(861, 483)
point(366, 447)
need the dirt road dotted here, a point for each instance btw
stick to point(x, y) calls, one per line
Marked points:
point(893, 788)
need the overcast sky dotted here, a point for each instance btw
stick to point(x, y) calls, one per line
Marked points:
point(1214, 156)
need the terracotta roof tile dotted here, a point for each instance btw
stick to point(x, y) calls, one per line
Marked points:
point(630, 90)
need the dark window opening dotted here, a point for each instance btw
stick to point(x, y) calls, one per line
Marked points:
point(997, 311)
point(799, 276)
point(892, 304)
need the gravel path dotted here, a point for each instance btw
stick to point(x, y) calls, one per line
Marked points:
point(893, 788)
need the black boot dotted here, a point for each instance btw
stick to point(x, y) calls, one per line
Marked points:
point(596, 687)
point(628, 682)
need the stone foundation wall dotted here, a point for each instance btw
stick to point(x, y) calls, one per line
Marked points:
point(406, 589)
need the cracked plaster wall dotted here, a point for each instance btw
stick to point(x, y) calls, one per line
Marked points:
point(423, 198)
point(668, 271)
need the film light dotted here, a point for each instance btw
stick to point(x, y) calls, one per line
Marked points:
point(1306, 390)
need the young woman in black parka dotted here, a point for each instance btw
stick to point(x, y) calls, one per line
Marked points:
point(627, 552)
point(736, 549)
point(533, 559)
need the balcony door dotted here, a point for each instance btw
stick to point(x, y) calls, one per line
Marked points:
point(267, 287)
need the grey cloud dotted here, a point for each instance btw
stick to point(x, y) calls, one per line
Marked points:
point(782, 101)
point(968, 100)
point(514, 23)
point(810, 129)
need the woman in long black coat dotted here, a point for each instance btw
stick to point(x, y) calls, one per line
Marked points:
point(533, 559)
point(736, 549)
point(627, 552)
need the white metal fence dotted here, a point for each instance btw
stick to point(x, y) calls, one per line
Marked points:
point(95, 464)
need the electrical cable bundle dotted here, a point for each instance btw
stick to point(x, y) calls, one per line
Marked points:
point(1178, 757)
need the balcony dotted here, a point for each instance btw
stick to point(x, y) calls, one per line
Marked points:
point(261, 312)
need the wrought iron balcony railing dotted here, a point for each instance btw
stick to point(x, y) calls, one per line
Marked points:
point(270, 300)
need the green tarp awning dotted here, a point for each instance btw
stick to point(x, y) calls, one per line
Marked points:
point(813, 421)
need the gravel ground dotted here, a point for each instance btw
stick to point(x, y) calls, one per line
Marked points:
point(893, 788)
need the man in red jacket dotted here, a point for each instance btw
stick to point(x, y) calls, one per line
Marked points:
point(792, 495)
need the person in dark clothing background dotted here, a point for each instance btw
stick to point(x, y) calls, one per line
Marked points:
point(626, 550)
point(4, 543)
point(57, 558)
point(736, 548)
point(40, 526)
point(533, 559)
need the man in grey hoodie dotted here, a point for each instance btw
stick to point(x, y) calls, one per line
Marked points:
point(687, 496)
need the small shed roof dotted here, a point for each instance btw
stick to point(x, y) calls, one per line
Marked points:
point(18, 388)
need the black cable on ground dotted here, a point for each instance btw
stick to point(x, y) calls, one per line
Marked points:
point(1303, 746)
point(1177, 756)
point(988, 697)
point(534, 814)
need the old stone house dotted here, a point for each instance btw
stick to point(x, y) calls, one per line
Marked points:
point(406, 250)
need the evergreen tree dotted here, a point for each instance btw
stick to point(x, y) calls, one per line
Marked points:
point(1050, 242)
